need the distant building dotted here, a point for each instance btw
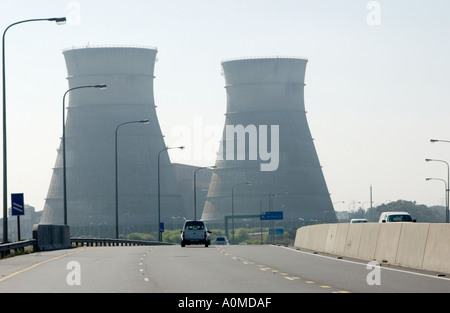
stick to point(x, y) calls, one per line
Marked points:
point(27, 221)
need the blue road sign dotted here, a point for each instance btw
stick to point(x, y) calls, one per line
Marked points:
point(272, 215)
point(276, 231)
point(18, 207)
point(161, 227)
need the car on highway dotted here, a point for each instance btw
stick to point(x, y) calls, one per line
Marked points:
point(221, 240)
point(393, 217)
point(195, 233)
point(358, 220)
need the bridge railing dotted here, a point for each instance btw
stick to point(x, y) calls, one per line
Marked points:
point(15, 247)
point(7, 248)
point(113, 242)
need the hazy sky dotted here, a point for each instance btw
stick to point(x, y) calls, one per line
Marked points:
point(376, 82)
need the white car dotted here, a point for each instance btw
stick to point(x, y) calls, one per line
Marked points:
point(195, 233)
point(358, 220)
point(221, 240)
point(392, 217)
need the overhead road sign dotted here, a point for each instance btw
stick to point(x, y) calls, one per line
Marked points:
point(272, 215)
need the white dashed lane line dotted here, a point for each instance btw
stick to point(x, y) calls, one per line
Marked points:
point(265, 268)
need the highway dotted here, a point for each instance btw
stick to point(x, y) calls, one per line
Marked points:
point(196, 269)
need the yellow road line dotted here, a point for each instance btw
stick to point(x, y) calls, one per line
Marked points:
point(36, 265)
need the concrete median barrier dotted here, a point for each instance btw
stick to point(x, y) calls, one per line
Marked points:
point(51, 237)
point(437, 249)
point(368, 241)
point(387, 242)
point(411, 245)
point(416, 245)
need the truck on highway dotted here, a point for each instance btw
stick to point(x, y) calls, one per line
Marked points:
point(195, 233)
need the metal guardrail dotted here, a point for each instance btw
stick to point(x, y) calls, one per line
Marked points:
point(114, 242)
point(6, 248)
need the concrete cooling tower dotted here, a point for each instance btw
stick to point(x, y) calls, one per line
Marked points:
point(267, 142)
point(93, 116)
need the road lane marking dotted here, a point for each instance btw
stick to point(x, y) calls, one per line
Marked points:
point(285, 275)
point(37, 264)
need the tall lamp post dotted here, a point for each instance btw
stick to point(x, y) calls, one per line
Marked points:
point(438, 140)
point(232, 206)
point(446, 192)
point(447, 189)
point(59, 21)
point(64, 143)
point(448, 180)
point(117, 184)
point(195, 188)
point(159, 191)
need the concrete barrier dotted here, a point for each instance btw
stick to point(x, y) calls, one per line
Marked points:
point(437, 249)
point(411, 245)
point(387, 242)
point(368, 241)
point(331, 238)
point(51, 237)
point(423, 246)
point(353, 239)
point(341, 238)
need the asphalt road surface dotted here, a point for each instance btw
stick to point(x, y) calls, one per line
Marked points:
point(198, 270)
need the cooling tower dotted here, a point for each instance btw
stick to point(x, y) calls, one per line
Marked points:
point(267, 142)
point(93, 116)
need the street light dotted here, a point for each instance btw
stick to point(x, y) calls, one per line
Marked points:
point(447, 189)
point(273, 194)
point(438, 140)
point(58, 20)
point(232, 205)
point(159, 192)
point(117, 184)
point(103, 86)
point(195, 189)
